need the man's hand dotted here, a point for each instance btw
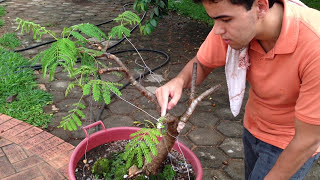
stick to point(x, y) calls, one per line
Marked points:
point(172, 89)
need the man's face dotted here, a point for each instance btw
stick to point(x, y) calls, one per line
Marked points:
point(233, 23)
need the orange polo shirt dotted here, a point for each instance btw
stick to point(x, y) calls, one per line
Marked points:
point(285, 82)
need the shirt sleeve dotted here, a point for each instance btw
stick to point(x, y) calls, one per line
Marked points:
point(212, 52)
point(307, 107)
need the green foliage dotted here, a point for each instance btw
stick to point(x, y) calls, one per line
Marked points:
point(10, 40)
point(124, 19)
point(158, 9)
point(167, 174)
point(2, 11)
point(1, 22)
point(66, 51)
point(100, 167)
point(190, 9)
point(144, 141)
point(72, 120)
point(312, 3)
point(118, 167)
point(37, 30)
point(30, 100)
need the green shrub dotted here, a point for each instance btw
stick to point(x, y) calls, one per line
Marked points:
point(10, 40)
point(20, 83)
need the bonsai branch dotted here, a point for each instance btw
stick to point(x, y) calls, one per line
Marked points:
point(132, 80)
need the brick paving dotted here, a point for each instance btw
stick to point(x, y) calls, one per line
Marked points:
point(213, 134)
point(39, 155)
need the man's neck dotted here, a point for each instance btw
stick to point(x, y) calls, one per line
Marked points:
point(271, 27)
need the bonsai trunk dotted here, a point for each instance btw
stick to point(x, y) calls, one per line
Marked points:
point(165, 145)
point(175, 124)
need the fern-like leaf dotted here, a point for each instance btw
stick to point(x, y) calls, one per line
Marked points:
point(128, 17)
point(118, 31)
point(90, 30)
point(96, 91)
point(145, 151)
point(86, 89)
point(37, 29)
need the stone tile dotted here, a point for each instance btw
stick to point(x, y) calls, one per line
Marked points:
point(121, 107)
point(117, 121)
point(14, 153)
point(10, 133)
point(235, 169)
point(212, 174)
point(204, 119)
point(187, 128)
point(27, 174)
point(66, 104)
point(5, 168)
point(56, 151)
point(205, 137)
point(27, 163)
point(185, 141)
point(61, 161)
point(233, 147)
point(210, 157)
point(46, 145)
point(230, 128)
point(224, 114)
point(36, 140)
point(4, 142)
point(49, 172)
point(4, 118)
point(178, 110)
point(23, 136)
point(142, 116)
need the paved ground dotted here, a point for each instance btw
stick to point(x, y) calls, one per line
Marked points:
point(212, 133)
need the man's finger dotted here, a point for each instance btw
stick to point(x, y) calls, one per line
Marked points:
point(173, 101)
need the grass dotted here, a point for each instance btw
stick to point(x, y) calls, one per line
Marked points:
point(2, 13)
point(197, 11)
point(312, 3)
point(10, 41)
point(20, 82)
point(190, 9)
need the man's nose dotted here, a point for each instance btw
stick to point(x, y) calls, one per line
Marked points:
point(218, 28)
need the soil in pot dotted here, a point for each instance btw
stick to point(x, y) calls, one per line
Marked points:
point(112, 151)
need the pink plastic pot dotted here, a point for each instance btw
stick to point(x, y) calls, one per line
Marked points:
point(120, 133)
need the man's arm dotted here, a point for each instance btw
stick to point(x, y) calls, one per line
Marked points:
point(304, 144)
point(174, 87)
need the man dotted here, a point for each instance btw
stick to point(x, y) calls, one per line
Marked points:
point(282, 119)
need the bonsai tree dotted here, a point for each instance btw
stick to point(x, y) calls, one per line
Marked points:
point(72, 45)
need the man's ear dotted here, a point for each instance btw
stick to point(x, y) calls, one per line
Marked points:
point(262, 8)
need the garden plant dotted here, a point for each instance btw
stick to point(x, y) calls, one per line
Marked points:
point(73, 44)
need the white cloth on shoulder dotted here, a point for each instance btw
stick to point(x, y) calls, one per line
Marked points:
point(237, 63)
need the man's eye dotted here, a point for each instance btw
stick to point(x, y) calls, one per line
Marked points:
point(225, 20)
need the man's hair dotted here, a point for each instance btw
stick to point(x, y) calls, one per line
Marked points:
point(246, 3)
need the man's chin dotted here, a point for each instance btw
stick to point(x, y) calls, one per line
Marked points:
point(237, 47)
